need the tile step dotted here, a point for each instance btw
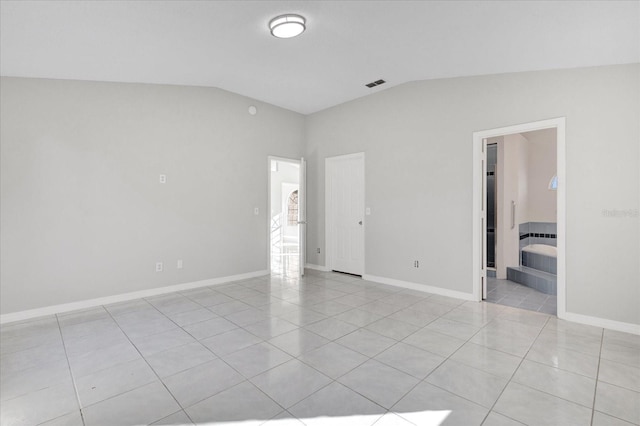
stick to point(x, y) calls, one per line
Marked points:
point(533, 278)
point(534, 272)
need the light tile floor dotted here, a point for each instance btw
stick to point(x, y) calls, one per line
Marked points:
point(325, 350)
point(508, 293)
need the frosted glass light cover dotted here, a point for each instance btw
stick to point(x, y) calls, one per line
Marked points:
point(287, 26)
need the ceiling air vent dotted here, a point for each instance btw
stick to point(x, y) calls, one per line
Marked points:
point(375, 83)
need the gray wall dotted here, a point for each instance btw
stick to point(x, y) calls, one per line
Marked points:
point(83, 215)
point(417, 138)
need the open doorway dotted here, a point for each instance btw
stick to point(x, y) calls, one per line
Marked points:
point(285, 207)
point(521, 217)
point(519, 203)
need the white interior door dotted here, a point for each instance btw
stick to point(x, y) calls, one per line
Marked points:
point(345, 213)
point(302, 216)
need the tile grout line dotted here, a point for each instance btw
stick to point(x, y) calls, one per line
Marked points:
point(420, 380)
point(449, 357)
point(514, 373)
point(217, 357)
point(387, 410)
point(303, 327)
point(424, 380)
point(320, 372)
point(73, 379)
point(240, 327)
point(595, 389)
point(564, 371)
point(152, 369)
point(550, 394)
point(334, 341)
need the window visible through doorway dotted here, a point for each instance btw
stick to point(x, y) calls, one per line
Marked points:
point(292, 209)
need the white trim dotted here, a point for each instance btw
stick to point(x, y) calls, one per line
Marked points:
point(316, 267)
point(328, 240)
point(302, 217)
point(561, 218)
point(421, 287)
point(559, 125)
point(625, 327)
point(83, 304)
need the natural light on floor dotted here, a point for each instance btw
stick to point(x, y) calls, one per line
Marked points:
point(423, 418)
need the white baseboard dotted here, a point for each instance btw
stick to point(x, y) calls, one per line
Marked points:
point(421, 287)
point(582, 319)
point(317, 267)
point(625, 327)
point(84, 304)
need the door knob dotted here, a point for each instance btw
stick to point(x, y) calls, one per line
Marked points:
point(360, 223)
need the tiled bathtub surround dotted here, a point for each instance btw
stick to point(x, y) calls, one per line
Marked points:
point(539, 261)
point(536, 270)
point(538, 233)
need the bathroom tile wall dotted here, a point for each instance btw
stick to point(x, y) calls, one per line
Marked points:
point(538, 233)
point(539, 262)
point(542, 277)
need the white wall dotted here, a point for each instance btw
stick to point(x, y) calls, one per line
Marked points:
point(418, 143)
point(541, 167)
point(83, 215)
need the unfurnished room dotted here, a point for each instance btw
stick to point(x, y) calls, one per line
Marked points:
point(319, 213)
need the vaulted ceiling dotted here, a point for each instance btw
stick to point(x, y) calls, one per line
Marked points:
point(226, 44)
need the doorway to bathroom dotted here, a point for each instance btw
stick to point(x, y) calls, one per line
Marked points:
point(286, 216)
point(519, 201)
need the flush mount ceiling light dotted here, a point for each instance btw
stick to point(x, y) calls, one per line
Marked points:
point(287, 26)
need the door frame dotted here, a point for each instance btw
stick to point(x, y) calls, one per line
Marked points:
point(478, 224)
point(328, 217)
point(271, 158)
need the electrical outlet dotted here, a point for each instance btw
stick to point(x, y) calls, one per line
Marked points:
point(256, 211)
point(318, 250)
point(416, 263)
point(179, 266)
point(159, 267)
point(163, 179)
